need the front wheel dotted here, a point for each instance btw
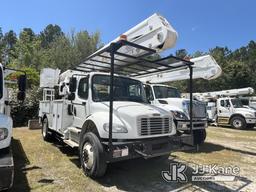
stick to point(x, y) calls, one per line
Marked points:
point(92, 156)
point(238, 122)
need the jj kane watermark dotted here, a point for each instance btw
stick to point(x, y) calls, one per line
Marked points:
point(178, 173)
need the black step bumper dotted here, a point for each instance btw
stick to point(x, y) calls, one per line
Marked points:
point(148, 148)
point(6, 169)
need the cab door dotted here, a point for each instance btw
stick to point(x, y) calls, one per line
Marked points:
point(149, 94)
point(224, 111)
point(80, 104)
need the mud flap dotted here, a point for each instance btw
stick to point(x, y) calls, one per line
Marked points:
point(6, 169)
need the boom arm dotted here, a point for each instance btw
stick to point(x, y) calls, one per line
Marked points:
point(226, 93)
point(154, 32)
point(204, 67)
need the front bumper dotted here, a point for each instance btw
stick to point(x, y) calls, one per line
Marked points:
point(6, 169)
point(250, 120)
point(184, 125)
point(148, 148)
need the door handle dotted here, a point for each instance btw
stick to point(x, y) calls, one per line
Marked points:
point(219, 111)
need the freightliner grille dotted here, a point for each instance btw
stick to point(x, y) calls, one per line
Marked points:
point(199, 109)
point(154, 125)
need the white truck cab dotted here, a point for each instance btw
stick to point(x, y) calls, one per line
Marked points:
point(232, 111)
point(169, 99)
point(6, 125)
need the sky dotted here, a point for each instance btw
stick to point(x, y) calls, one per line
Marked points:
point(201, 24)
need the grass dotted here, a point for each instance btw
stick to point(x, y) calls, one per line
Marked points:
point(42, 166)
point(45, 167)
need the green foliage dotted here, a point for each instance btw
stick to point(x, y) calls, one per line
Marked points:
point(31, 52)
point(53, 48)
point(238, 69)
point(22, 112)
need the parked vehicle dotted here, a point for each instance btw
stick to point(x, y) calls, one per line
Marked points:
point(102, 108)
point(6, 157)
point(226, 108)
point(169, 98)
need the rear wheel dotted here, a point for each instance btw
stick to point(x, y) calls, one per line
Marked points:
point(199, 136)
point(238, 122)
point(92, 156)
point(45, 131)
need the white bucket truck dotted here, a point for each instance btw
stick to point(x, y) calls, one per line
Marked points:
point(6, 157)
point(169, 98)
point(103, 110)
point(226, 108)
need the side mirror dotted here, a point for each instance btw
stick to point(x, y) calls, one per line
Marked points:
point(71, 96)
point(72, 85)
point(22, 83)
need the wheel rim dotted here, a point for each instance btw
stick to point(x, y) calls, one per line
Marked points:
point(237, 123)
point(88, 155)
point(44, 129)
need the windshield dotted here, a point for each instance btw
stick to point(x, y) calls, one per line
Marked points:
point(1, 83)
point(166, 92)
point(237, 103)
point(125, 89)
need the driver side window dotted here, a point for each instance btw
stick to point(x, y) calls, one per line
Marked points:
point(225, 103)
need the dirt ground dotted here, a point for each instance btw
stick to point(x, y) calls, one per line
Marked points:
point(41, 166)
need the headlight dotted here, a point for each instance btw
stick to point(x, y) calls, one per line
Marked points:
point(185, 106)
point(179, 115)
point(116, 128)
point(249, 115)
point(3, 133)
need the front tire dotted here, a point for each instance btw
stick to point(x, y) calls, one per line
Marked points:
point(92, 156)
point(45, 131)
point(238, 122)
point(199, 136)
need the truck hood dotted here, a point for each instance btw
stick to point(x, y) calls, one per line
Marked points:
point(244, 110)
point(133, 109)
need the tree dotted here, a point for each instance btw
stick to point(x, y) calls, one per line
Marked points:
point(50, 34)
point(182, 53)
point(7, 46)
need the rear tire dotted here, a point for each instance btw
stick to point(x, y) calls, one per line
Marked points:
point(199, 136)
point(92, 156)
point(238, 122)
point(45, 130)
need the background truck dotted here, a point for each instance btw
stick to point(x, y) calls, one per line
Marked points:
point(6, 158)
point(101, 107)
point(169, 98)
point(226, 107)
